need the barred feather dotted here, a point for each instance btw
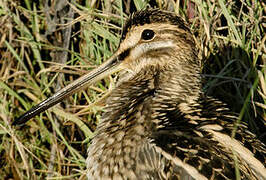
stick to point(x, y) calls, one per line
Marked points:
point(158, 123)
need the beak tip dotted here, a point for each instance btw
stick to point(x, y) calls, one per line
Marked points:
point(20, 121)
point(109, 67)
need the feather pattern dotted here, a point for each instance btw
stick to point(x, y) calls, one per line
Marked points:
point(158, 123)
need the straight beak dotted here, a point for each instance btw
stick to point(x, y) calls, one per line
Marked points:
point(110, 66)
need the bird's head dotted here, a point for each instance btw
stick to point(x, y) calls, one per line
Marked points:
point(155, 38)
point(150, 38)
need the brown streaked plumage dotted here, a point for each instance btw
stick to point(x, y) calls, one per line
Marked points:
point(158, 124)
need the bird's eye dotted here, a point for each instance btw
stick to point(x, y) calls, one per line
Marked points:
point(147, 34)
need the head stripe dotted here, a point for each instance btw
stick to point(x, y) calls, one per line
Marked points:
point(150, 16)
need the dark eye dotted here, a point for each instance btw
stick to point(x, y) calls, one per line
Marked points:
point(147, 34)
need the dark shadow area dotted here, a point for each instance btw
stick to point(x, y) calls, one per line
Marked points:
point(228, 76)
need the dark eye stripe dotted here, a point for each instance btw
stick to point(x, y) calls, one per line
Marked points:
point(123, 55)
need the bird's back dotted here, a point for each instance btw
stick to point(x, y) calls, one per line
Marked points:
point(143, 136)
point(200, 141)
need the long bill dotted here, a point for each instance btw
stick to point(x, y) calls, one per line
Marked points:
point(110, 66)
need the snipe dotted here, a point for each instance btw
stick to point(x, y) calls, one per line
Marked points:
point(157, 122)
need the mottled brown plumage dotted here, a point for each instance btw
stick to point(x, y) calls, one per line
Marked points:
point(159, 115)
point(158, 124)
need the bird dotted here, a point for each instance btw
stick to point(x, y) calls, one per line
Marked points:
point(158, 123)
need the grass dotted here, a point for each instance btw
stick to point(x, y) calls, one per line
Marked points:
point(36, 38)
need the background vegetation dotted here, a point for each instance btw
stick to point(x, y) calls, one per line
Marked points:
point(46, 44)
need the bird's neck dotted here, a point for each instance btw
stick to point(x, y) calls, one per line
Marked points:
point(128, 121)
point(134, 100)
